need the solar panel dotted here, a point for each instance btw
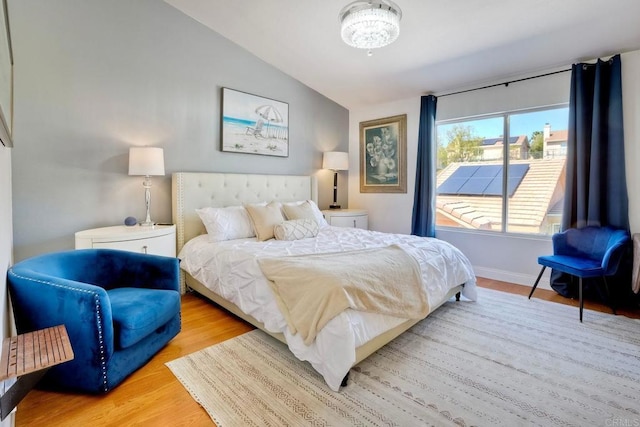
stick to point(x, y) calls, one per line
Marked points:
point(494, 141)
point(465, 171)
point(451, 185)
point(475, 186)
point(512, 185)
point(495, 187)
point(518, 171)
point(457, 179)
point(483, 180)
point(490, 141)
point(488, 171)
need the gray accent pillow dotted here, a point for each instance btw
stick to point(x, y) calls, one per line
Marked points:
point(296, 229)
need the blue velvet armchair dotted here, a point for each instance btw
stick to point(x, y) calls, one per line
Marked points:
point(584, 253)
point(119, 309)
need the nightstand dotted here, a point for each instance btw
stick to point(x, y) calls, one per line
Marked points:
point(355, 218)
point(156, 240)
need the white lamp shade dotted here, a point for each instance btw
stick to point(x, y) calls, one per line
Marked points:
point(147, 161)
point(336, 160)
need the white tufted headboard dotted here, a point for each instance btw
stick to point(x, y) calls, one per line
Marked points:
point(192, 190)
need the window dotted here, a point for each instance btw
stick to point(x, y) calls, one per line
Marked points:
point(512, 183)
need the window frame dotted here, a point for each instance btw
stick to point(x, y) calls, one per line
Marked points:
point(505, 164)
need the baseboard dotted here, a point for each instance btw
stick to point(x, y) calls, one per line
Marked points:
point(513, 277)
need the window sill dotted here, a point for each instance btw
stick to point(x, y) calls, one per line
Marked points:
point(498, 234)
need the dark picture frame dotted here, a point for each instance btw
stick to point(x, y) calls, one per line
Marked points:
point(6, 78)
point(254, 124)
point(383, 155)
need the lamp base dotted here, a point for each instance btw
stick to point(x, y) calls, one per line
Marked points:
point(334, 206)
point(147, 224)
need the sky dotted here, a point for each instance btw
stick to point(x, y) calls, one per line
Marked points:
point(521, 124)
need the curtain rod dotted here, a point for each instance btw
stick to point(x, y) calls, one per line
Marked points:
point(505, 83)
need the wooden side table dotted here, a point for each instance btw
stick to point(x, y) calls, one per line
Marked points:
point(28, 357)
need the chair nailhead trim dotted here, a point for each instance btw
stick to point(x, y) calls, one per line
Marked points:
point(98, 319)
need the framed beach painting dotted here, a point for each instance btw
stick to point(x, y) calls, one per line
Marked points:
point(383, 155)
point(253, 124)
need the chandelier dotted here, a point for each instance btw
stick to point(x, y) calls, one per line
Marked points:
point(370, 24)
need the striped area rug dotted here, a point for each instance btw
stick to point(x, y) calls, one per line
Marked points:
point(504, 360)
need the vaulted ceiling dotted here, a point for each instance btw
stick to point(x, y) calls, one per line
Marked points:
point(443, 45)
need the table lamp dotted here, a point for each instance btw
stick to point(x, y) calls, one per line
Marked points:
point(336, 161)
point(147, 162)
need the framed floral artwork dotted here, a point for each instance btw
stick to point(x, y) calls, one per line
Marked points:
point(383, 155)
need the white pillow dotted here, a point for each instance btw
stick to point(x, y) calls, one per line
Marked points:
point(226, 223)
point(304, 209)
point(296, 229)
point(264, 219)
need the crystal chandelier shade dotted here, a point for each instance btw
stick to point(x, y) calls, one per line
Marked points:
point(370, 24)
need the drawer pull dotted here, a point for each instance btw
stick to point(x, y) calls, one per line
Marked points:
point(144, 249)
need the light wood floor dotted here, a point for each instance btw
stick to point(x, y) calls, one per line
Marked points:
point(152, 396)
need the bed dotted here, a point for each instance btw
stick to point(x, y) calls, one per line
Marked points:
point(228, 272)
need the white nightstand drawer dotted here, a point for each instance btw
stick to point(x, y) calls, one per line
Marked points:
point(349, 221)
point(163, 245)
point(354, 218)
point(157, 240)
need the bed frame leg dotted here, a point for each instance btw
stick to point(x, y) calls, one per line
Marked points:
point(458, 294)
point(345, 380)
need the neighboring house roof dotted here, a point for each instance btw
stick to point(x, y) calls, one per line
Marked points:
point(558, 136)
point(556, 208)
point(527, 208)
point(492, 147)
point(517, 140)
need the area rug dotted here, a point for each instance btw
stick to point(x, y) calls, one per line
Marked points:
point(503, 360)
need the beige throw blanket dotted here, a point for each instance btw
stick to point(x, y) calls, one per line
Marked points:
point(313, 289)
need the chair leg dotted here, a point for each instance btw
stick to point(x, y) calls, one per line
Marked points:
point(611, 301)
point(580, 297)
point(535, 285)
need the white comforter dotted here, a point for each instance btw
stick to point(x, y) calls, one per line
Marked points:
point(230, 270)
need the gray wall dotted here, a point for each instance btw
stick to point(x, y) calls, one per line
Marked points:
point(95, 77)
point(5, 251)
